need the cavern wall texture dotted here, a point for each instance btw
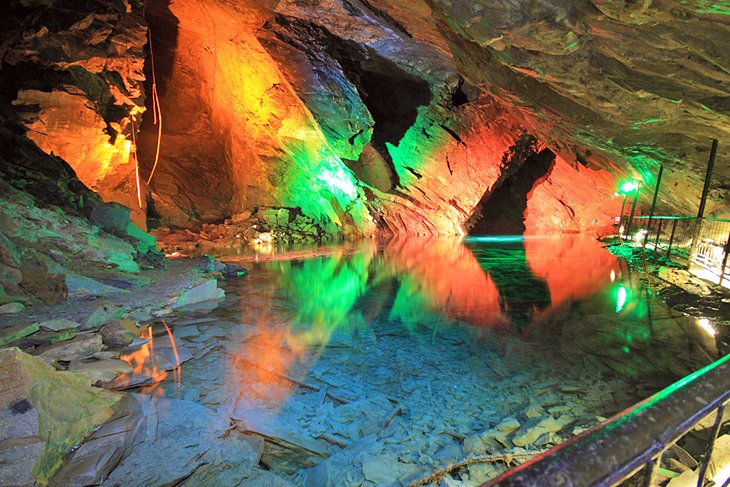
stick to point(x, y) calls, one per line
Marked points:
point(73, 70)
point(408, 117)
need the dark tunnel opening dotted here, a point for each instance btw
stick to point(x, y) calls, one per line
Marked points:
point(503, 210)
point(391, 95)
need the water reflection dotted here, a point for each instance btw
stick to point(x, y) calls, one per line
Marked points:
point(522, 294)
point(570, 291)
point(393, 350)
point(484, 282)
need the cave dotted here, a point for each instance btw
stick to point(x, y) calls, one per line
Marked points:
point(364, 242)
point(503, 209)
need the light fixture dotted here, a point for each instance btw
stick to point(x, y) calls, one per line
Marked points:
point(707, 326)
point(628, 187)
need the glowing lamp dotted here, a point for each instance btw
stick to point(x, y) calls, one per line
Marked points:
point(707, 326)
point(628, 187)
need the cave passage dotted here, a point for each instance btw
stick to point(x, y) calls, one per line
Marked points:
point(391, 95)
point(503, 211)
point(393, 98)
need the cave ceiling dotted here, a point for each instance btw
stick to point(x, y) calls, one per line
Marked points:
point(401, 114)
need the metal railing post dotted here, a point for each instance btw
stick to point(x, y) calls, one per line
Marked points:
point(653, 206)
point(708, 179)
point(621, 218)
point(633, 209)
point(724, 260)
point(671, 239)
point(710, 446)
point(703, 202)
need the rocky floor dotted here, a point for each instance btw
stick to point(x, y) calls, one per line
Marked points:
point(382, 405)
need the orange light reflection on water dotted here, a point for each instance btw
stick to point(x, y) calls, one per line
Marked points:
point(144, 364)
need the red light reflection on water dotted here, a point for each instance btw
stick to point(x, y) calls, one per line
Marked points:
point(450, 278)
point(573, 268)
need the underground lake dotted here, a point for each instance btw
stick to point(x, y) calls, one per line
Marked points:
point(382, 362)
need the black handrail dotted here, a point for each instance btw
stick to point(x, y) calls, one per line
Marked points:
point(619, 447)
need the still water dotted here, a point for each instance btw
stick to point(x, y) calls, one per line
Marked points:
point(377, 363)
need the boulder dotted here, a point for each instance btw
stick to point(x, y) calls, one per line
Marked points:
point(80, 348)
point(100, 370)
point(12, 308)
point(119, 333)
point(473, 445)
point(59, 325)
point(37, 281)
point(59, 407)
point(207, 291)
point(112, 217)
point(382, 469)
point(508, 426)
point(46, 338)
point(104, 312)
point(85, 286)
point(533, 430)
point(533, 410)
point(15, 333)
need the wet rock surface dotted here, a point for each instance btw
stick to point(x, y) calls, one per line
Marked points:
point(680, 289)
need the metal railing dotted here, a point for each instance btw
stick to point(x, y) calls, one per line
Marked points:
point(713, 246)
point(675, 235)
point(670, 234)
point(635, 439)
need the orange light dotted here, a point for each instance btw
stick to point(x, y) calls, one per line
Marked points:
point(178, 369)
point(136, 163)
point(140, 359)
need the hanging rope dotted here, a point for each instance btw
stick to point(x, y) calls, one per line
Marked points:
point(156, 111)
point(136, 162)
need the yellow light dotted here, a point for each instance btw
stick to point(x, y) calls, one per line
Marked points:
point(639, 237)
point(707, 326)
point(613, 275)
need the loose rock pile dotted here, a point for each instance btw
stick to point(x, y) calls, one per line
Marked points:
point(259, 228)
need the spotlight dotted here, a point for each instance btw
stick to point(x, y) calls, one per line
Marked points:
point(628, 187)
point(707, 326)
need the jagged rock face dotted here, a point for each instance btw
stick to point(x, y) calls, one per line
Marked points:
point(399, 115)
point(74, 71)
point(638, 83)
point(54, 231)
point(337, 108)
point(238, 136)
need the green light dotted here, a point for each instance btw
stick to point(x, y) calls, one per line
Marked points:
point(628, 187)
point(621, 296)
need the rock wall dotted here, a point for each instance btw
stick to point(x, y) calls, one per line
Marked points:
point(365, 115)
point(58, 239)
point(74, 72)
point(239, 137)
point(336, 108)
point(627, 84)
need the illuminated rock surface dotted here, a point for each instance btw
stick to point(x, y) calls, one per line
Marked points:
point(421, 102)
point(398, 116)
point(290, 121)
point(51, 411)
